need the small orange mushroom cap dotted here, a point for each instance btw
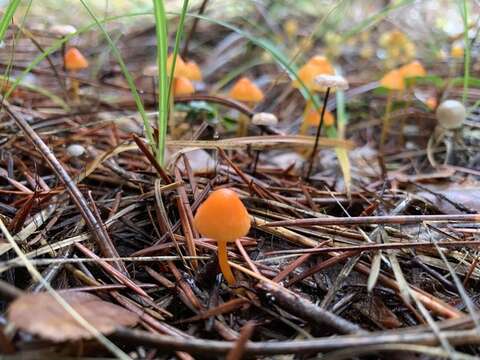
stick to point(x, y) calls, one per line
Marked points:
point(74, 60)
point(413, 69)
point(245, 90)
point(317, 65)
point(193, 71)
point(180, 66)
point(393, 80)
point(313, 118)
point(182, 86)
point(457, 52)
point(222, 216)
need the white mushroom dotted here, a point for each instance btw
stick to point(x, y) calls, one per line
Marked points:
point(451, 114)
point(75, 150)
point(265, 119)
point(63, 30)
point(332, 81)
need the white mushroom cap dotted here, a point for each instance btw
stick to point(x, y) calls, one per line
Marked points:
point(75, 150)
point(63, 30)
point(332, 81)
point(265, 119)
point(451, 114)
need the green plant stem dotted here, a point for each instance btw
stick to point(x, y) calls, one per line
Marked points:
point(386, 120)
point(466, 67)
point(178, 38)
point(7, 17)
point(162, 53)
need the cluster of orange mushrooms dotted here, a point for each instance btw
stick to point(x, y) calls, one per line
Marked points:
point(222, 216)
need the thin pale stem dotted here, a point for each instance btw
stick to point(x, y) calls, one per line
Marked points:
point(386, 120)
point(75, 90)
point(242, 125)
point(304, 127)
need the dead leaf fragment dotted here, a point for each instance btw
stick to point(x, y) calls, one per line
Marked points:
point(42, 315)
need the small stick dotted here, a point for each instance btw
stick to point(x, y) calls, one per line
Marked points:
point(377, 220)
point(306, 310)
point(238, 348)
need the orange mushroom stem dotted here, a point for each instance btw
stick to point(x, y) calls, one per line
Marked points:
point(223, 217)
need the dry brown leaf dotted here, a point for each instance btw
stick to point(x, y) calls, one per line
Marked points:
point(42, 315)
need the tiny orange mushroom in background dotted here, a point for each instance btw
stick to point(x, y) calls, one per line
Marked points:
point(180, 66)
point(246, 91)
point(395, 80)
point(392, 81)
point(74, 61)
point(317, 65)
point(182, 86)
point(312, 118)
point(193, 71)
point(412, 69)
point(223, 217)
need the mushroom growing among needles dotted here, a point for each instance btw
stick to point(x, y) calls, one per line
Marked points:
point(193, 71)
point(182, 86)
point(410, 72)
point(450, 116)
point(392, 81)
point(262, 119)
point(317, 65)
point(329, 82)
point(223, 217)
point(74, 61)
point(246, 91)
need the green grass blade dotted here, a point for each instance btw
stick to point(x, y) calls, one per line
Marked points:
point(178, 38)
point(126, 73)
point(7, 17)
point(466, 67)
point(162, 54)
point(39, 90)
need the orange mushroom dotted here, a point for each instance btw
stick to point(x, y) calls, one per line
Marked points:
point(182, 86)
point(410, 72)
point(223, 217)
point(313, 118)
point(246, 91)
point(316, 66)
point(193, 71)
point(413, 69)
point(74, 61)
point(392, 81)
point(180, 66)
